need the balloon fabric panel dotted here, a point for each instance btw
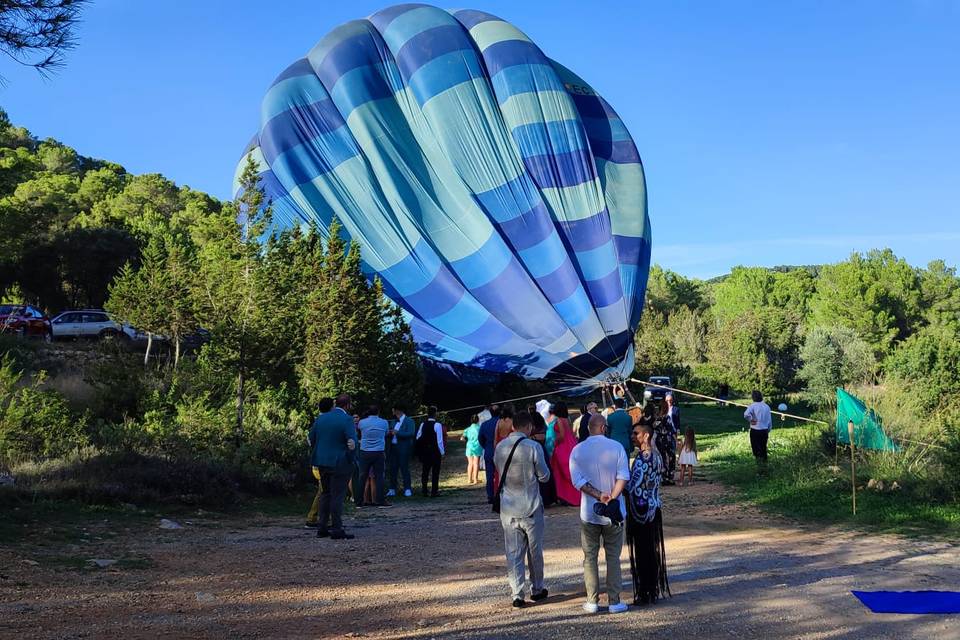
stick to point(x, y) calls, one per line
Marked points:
point(498, 197)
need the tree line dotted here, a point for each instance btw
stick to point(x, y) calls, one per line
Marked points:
point(872, 323)
point(290, 315)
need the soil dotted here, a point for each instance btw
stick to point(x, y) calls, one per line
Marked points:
point(435, 569)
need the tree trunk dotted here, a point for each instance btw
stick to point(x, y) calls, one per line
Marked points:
point(240, 402)
point(176, 350)
point(146, 354)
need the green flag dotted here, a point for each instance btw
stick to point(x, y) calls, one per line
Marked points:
point(867, 426)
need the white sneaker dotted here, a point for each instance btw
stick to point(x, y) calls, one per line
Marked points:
point(391, 493)
point(620, 607)
point(407, 493)
point(591, 607)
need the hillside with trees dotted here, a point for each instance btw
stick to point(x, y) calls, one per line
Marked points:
point(290, 319)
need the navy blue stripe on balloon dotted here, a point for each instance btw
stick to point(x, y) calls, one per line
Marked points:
point(543, 138)
point(430, 44)
point(505, 202)
point(629, 249)
point(561, 170)
point(510, 53)
point(470, 18)
point(297, 124)
point(313, 158)
point(356, 51)
point(588, 233)
point(271, 185)
point(559, 284)
point(606, 290)
point(489, 336)
point(434, 80)
point(382, 19)
point(360, 86)
point(593, 106)
point(299, 68)
point(513, 296)
point(439, 296)
point(620, 152)
point(528, 229)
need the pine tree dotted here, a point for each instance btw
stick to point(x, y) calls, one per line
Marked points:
point(404, 380)
point(231, 301)
point(137, 296)
point(344, 327)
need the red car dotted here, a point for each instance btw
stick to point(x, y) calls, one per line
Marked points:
point(25, 321)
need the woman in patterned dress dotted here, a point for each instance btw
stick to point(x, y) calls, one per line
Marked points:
point(648, 561)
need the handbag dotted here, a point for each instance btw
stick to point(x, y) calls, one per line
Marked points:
point(503, 476)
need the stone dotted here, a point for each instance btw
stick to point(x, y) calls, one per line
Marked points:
point(169, 524)
point(205, 598)
point(102, 562)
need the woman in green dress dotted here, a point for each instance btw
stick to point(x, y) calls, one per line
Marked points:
point(474, 450)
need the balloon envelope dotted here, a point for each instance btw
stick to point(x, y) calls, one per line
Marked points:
point(498, 197)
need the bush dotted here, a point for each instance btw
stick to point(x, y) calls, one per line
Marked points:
point(34, 423)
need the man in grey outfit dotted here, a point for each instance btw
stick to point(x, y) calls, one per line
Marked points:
point(521, 509)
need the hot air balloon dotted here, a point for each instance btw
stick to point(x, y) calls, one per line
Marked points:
point(496, 194)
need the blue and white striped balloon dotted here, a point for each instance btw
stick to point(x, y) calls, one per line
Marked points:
point(499, 198)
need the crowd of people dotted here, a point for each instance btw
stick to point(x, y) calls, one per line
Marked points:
point(610, 464)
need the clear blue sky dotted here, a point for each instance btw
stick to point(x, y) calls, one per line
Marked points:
point(772, 132)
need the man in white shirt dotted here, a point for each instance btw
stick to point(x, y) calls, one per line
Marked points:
point(431, 449)
point(599, 469)
point(373, 433)
point(761, 422)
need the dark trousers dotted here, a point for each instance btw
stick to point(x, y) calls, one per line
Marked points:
point(758, 442)
point(489, 469)
point(333, 491)
point(372, 460)
point(431, 469)
point(399, 460)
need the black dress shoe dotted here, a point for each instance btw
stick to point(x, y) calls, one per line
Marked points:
point(540, 595)
point(518, 603)
point(341, 535)
point(323, 533)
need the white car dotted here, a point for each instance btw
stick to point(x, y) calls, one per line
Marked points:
point(89, 324)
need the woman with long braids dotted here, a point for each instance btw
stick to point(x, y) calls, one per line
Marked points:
point(648, 560)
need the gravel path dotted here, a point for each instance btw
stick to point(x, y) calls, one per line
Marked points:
point(435, 569)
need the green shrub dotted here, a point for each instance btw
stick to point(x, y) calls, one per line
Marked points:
point(34, 423)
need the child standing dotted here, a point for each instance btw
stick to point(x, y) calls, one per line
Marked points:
point(474, 450)
point(688, 455)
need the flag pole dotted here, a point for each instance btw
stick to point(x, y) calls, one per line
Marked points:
point(853, 468)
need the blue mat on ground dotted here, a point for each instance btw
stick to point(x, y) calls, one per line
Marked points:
point(910, 601)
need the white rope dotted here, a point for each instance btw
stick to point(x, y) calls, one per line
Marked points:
point(481, 406)
point(736, 404)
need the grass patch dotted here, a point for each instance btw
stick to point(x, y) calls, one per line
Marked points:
point(807, 482)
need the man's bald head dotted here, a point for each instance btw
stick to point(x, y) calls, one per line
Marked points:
point(597, 424)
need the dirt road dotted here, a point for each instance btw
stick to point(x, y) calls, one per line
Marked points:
point(435, 569)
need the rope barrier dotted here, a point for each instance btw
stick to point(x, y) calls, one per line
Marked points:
point(481, 406)
point(736, 404)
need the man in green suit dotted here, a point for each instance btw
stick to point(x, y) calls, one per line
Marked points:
point(333, 439)
point(399, 445)
point(620, 425)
